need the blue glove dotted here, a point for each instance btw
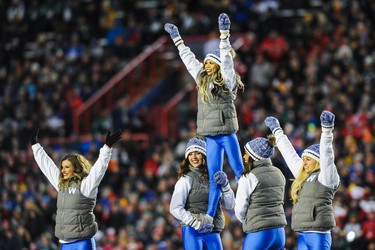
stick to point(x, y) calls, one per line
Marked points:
point(174, 33)
point(272, 123)
point(205, 228)
point(224, 22)
point(202, 226)
point(221, 178)
point(327, 120)
point(224, 25)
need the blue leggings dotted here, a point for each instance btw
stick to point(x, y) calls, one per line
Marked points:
point(269, 239)
point(216, 146)
point(87, 244)
point(193, 240)
point(314, 241)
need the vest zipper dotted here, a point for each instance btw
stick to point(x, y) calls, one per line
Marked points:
point(62, 216)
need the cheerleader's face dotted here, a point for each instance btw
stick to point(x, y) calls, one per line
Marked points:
point(309, 164)
point(67, 169)
point(195, 159)
point(210, 67)
point(248, 163)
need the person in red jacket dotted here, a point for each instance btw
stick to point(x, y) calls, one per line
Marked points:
point(368, 228)
point(274, 46)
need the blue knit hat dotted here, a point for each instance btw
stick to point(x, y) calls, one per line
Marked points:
point(195, 145)
point(259, 149)
point(313, 152)
point(214, 56)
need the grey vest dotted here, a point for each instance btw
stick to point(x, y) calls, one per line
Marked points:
point(218, 116)
point(313, 211)
point(197, 200)
point(266, 202)
point(75, 218)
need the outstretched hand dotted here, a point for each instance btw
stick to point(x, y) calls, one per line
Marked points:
point(327, 119)
point(113, 138)
point(173, 33)
point(272, 123)
point(224, 26)
point(224, 22)
point(172, 30)
point(34, 136)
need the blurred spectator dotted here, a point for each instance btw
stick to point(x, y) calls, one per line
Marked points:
point(274, 46)
point(261, 73)
point(368, 228)
point(282, 83)
point(46, 243)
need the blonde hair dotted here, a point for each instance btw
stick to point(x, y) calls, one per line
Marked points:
point(82, 167)
point(298, 182)
point(217, 79)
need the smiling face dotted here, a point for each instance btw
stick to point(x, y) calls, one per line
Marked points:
point(67, 169)
point(309, 164)
point(210, 67)
point(195, 159)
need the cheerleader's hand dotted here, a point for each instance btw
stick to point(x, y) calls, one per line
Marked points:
point(327, 120)
point(34, 136)
point(221, 178)
point(224, 25)
point(113, 138)
point(173, 33)
point(272, 123)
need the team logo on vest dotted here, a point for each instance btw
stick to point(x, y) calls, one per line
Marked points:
point(72, 190)
point(311, 178)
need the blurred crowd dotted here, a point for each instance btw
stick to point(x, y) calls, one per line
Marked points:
point(56, 54)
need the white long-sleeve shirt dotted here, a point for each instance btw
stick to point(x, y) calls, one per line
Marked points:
point(89, 184)
point(246, 186)
point(180, 195)
point(328, 175)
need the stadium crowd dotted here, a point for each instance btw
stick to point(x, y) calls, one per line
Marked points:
point(56, 54)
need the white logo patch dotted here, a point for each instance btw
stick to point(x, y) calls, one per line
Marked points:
point(72, 190)
point(311, 178)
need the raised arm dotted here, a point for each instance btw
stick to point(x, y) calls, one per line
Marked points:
point(227, 64)
point(328, 173)
point(90, 184)
point(292, 159)
point(187, 56)
point(45, 163)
